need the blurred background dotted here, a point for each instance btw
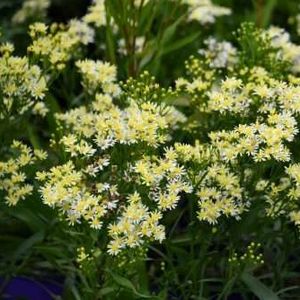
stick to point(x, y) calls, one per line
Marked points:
point(262, 12)
point(282, 13)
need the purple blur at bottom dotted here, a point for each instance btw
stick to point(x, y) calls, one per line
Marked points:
point(27, 289)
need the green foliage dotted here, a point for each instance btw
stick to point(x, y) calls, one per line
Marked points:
point(256, 50)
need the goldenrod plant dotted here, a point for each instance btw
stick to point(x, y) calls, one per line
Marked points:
point(150, 149)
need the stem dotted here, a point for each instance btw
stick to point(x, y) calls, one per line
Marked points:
point(259, 12)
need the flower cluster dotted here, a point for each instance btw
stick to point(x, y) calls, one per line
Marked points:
point(96, 13)
point(97, 75)
point(31, 9)
point(288, 50)
point(80, 196)
point(219, 54)
point(204, 11)
point(270, 103)
point(81, 31)
point(65, 189)
point(293, 193)
point(21, 84)
point(220, 193)
point(13, 181)
point(114, 174)
point(56, 45)
point(82, 256)
point(250, 117)
point(200, 81)
point(262, 141)
point(251, 258)
point(162, 180)
point(106, 124)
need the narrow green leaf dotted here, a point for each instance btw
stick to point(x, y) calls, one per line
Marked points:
point(110, 39)
point(106, 290)
point(258, 288)
point(33, 221)
point(180, 43)
point(268, 11)
point(124, 282)
point(148, 14)
point(170, 31)
point(29, 243)
point(33, 137)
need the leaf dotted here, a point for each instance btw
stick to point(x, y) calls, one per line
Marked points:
point(124, 282)
point(53, 105)
point(148, 14)
point(106, 290)
point(170, 31)
point(227, 288)
point(29, 243)
point(33, 137)
point(70, 290)
point(268, 10)
point(33, 221)
point(110, 39)
point(258, 288)
point(287, 289)
point(181, 43)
